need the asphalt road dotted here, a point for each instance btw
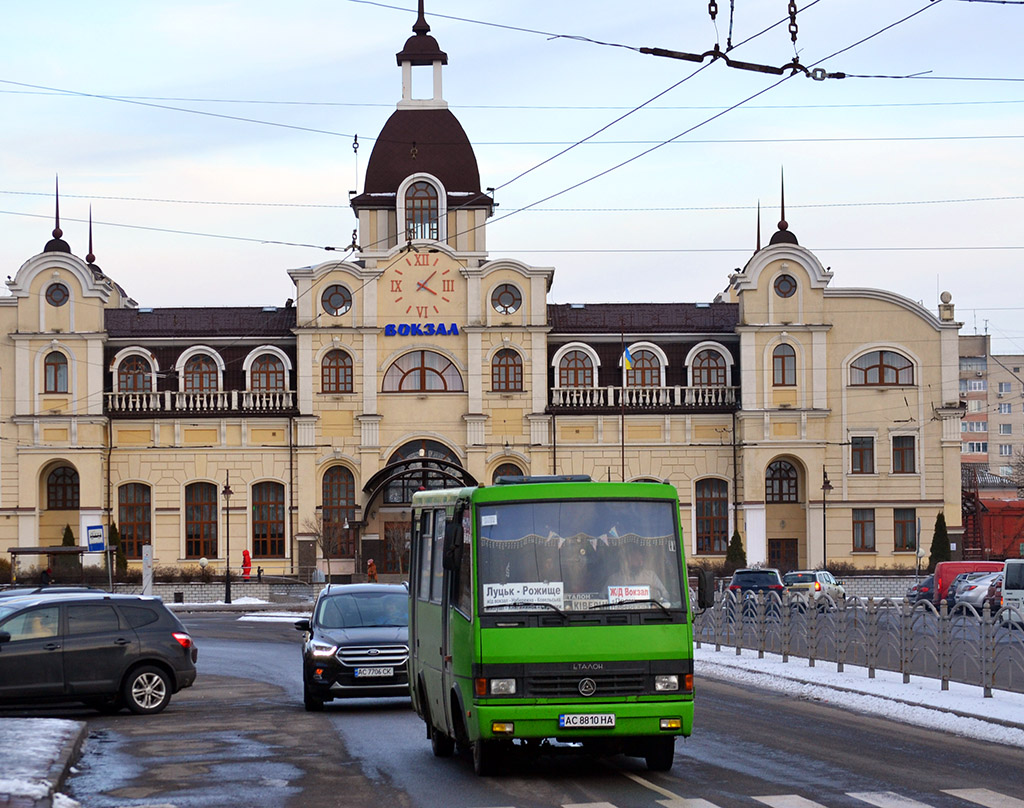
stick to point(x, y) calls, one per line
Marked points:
point(241, 737)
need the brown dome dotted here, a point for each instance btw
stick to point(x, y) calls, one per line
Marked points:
point(428, 141)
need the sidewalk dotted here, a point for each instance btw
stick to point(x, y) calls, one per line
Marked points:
point(960, 710)
point(38, 756)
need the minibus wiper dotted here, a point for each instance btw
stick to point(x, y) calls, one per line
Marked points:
point(540, 603)
point(657, 603)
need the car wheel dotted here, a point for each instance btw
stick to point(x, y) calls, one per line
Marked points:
point(147, 690)
point(486, 757)
point(660, 754)
point(441, 744)
point(311, 702)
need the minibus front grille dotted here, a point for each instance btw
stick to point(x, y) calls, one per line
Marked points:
point(562, 685)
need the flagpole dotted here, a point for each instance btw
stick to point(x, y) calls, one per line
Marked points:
point(622, 402)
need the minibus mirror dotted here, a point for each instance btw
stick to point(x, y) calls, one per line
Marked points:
point(452, 558)
point(705, 589)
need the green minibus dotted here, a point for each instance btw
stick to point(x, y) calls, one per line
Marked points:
point(551, 609)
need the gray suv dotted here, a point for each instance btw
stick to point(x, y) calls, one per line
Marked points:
point(106, 651)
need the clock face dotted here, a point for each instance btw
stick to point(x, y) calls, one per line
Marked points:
point(422, 285)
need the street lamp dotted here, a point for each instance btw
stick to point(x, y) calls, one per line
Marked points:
point(826, 486)
point(227, 539)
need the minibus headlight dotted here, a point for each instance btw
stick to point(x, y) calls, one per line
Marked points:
point(668, 681)
point(322, 649)
point(503, 687)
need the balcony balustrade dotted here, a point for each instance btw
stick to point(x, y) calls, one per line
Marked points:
point(180, 402)
point(644, 398)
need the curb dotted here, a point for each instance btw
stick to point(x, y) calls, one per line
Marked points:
point(69, 755)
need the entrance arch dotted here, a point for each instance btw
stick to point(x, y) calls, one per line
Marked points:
point(415, 466)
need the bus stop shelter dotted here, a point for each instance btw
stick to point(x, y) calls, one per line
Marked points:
point(51, 554)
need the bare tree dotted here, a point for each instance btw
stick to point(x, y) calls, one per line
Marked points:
point(329, 536)
point(1017, 471)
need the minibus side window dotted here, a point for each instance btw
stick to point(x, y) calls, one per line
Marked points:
point(425, 546)
point(464, 594)
point(437, 562)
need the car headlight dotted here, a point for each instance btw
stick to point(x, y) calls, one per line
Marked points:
point(322, 649)
point(668, 681)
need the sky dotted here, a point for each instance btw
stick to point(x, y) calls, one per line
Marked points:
point(213, 141)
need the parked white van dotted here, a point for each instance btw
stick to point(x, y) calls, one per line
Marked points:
point(1013, 591)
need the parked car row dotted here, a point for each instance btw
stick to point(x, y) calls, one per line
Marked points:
point(996, 584)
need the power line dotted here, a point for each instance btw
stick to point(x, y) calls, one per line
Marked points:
point(522, 107)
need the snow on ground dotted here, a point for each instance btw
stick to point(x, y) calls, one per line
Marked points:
point(961, 710)
point(30, 746)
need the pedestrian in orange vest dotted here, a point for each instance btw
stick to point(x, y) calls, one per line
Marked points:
point(371, 571)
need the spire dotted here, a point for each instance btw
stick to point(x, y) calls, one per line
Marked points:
point(421, 49)
point(783, 236)
point(758, 247)
point(57, 244)
point(421, 27)
point(90, 258)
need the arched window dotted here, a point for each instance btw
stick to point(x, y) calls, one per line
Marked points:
point(55, 368)
point(506, 470)
point(422, 372)
point(576, 369)
point(201, 520)
point(268, 520)
point(709, 369)
point(881, 368)
point(339, 496)
point(133, 518)
point(134, 375)
point(646, 370)
point(712, 511)
point(336, 373)
point(784, 366)
point(421, 476)
point(507, 372)
point(267, 373)
point(421, 211)
point(781, 483)
point(62, 489)
point(200, 374)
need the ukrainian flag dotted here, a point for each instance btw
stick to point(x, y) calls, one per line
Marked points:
point(627, 358)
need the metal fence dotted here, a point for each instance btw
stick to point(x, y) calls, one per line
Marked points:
point(982, 648)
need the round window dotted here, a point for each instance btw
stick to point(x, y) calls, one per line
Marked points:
point(785, 286)
point(336, 300)
point(506, 299)
point(57, 294)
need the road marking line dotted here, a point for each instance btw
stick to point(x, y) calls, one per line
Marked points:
point(788, 801)
point(887, 799)
point(587, 805)
point(686, 803)
point(983, 796)
point(636, 778)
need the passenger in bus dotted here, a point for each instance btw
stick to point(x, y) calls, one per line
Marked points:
point(636, 569)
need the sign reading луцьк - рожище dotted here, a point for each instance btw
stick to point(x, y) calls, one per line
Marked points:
point(421, 330)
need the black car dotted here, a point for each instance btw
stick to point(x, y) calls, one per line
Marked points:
point(746, 584)
point(107, 651)
point(922, 590)
point(356, 643)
